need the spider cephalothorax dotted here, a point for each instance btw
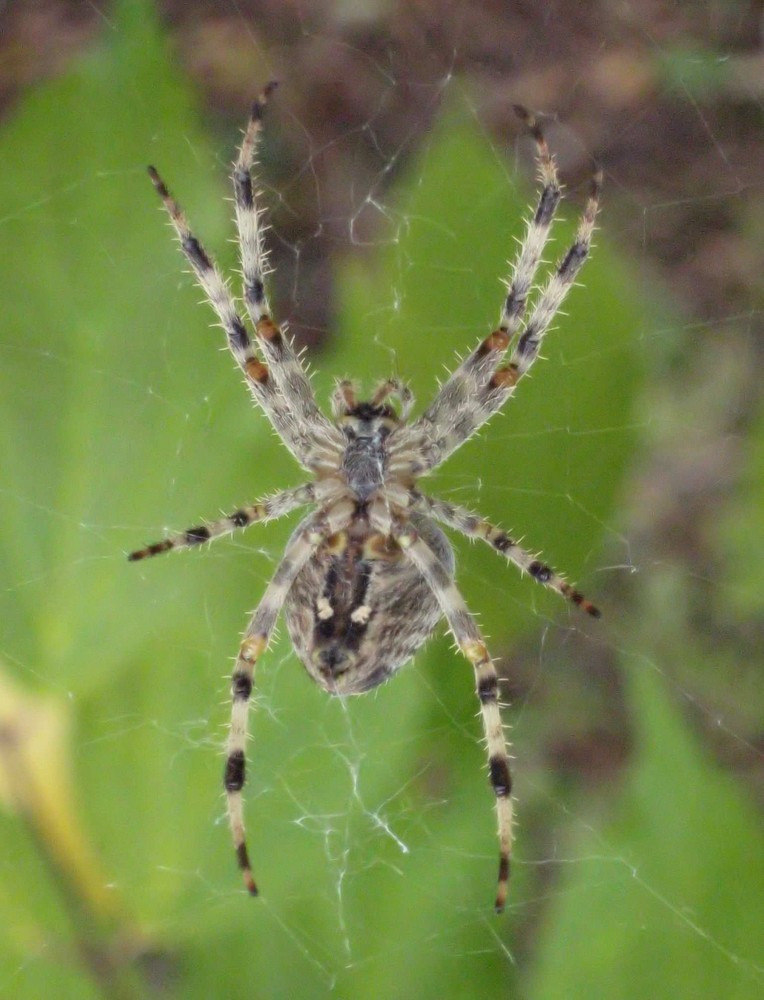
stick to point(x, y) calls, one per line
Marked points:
point(366, 577)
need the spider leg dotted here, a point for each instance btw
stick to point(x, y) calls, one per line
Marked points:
point(254, 259)
point(310, 534)
point(400, 390)
point(537, 232)
point(526, 349)
point(471, 377)
point(261, 385)
point(216, 289)
point(473, 526)
point(344, 398)
point(437, 440)
point(284, 364)
point(470, 641)
point(265, 510)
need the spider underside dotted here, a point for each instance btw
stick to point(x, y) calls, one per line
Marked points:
point(366, 577)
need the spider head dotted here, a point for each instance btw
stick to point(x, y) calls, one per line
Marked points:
point(374, 418)
point(365, 420)
point(366, 427)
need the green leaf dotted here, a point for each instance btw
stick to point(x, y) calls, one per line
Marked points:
point(120, 415)
point(666, 902)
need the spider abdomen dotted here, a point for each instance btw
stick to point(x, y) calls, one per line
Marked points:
point(359, 609)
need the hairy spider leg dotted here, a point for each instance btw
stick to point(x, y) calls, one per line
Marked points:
point(441, 419)
point(501, 386)
point(526, 349)
point(264, 510)
point(313, 531)
point(474, 526)
point(399, 390)
point(470, 641)
point(344, 398)
point(284, 364)
point(263, 388)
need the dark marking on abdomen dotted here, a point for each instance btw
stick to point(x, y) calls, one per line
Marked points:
point(345, 590)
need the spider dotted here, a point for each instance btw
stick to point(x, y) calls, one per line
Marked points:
point(366, 576)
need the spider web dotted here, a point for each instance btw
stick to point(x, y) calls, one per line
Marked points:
point(629, 457)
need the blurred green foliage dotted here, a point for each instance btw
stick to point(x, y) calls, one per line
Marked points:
point(694, 72)
point(370, 823)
